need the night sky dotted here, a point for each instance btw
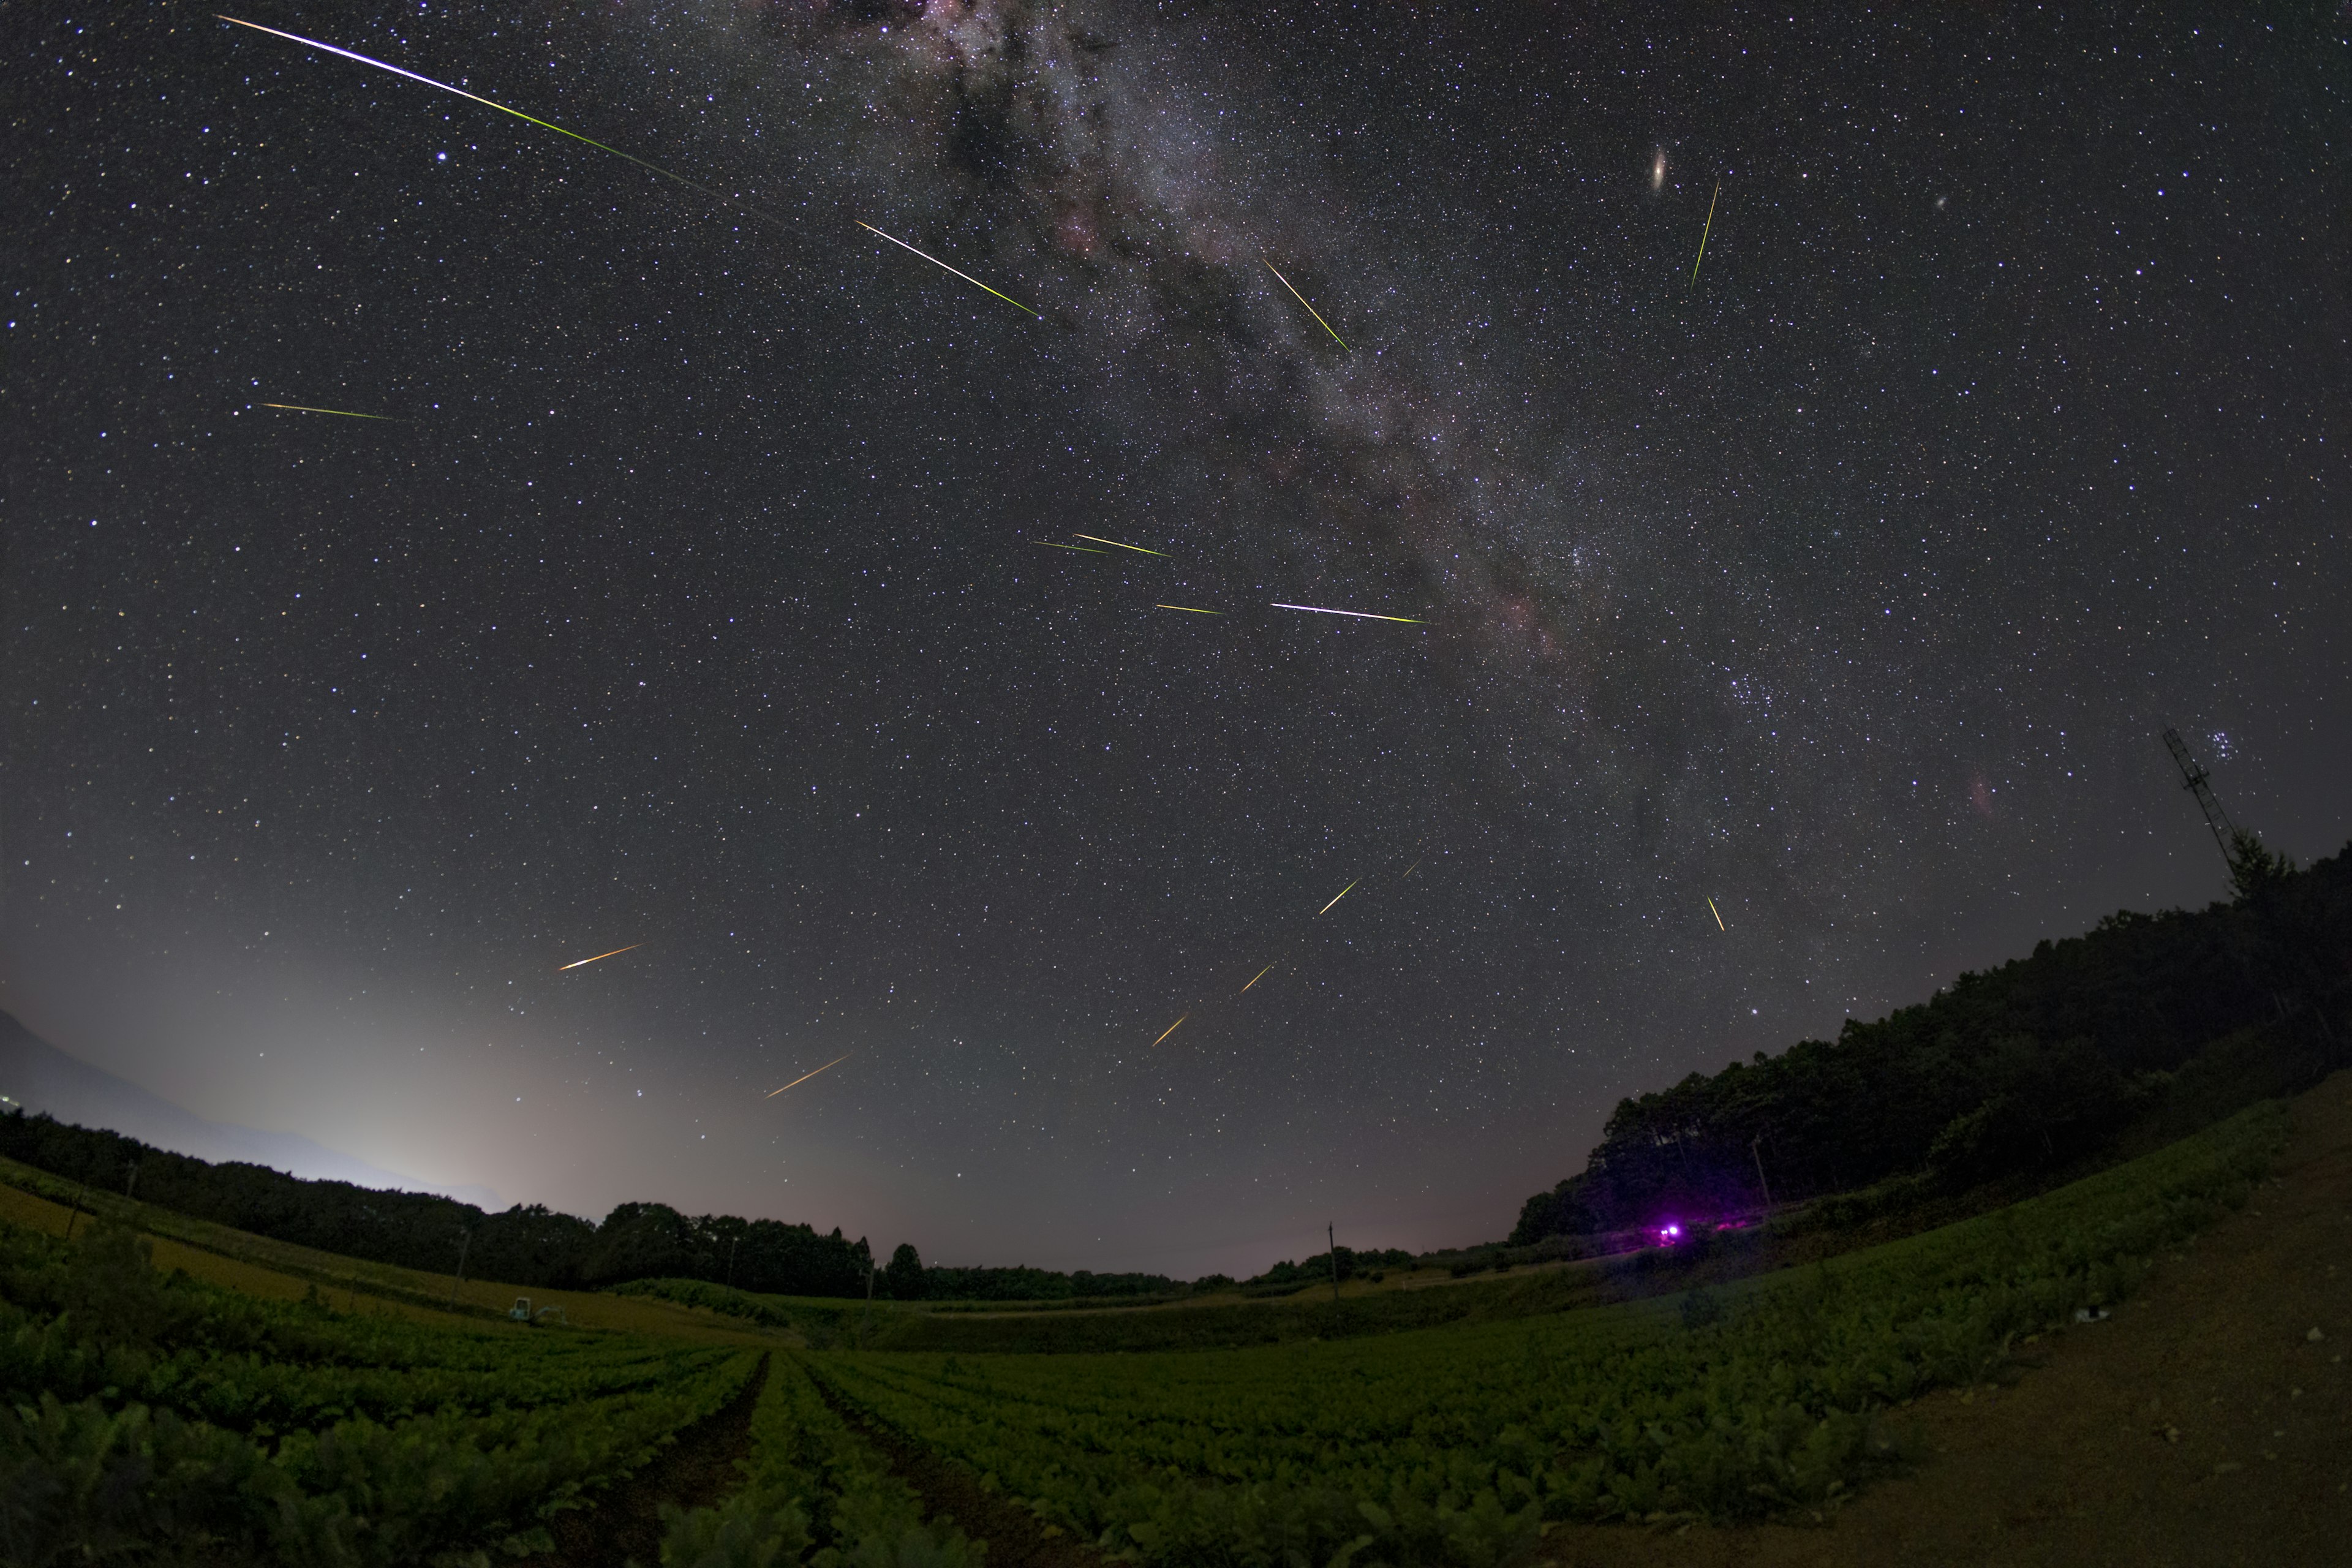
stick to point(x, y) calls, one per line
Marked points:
point(693, 589)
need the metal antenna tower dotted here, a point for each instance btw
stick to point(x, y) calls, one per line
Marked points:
point(2199, 783)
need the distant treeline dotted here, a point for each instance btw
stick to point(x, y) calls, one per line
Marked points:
point(906, 1278)
point(534, 1245)
point(524, 1245)
point(2032, 1065)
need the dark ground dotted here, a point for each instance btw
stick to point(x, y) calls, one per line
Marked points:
point(1016, 1538)
point(696, 1471)
point(2201, 1426)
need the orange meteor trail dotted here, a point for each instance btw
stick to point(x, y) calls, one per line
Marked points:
point(1136, 548)
point(1171, 1028)
point(1189, 609)
point(1718, 917)
point(1260, 974)
point(614, 954)
point(945, 268)
point(1302, 300)
point(811, 1073)
point(1337, 897)
point(305, 408)
point(1358, 615)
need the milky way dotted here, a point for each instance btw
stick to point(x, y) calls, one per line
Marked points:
point(1775, 639)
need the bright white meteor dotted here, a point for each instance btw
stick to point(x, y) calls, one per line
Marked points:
point(1358, 615)
point(944, 267)
point(493, 103)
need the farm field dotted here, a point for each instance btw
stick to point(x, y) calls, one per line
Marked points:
point(258, 1265)
point(1889, 1405)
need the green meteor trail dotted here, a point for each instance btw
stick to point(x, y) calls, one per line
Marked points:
point(1355, 614)
point(1707, 230)
point(1136, 548)
point(502, 108)
point(944, 267)
point(305, 408)
point(1081, 549)
point(1302, 300)
point(1189, 609)
point(1338, 896)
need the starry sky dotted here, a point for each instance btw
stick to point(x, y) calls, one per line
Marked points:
point(695, 587)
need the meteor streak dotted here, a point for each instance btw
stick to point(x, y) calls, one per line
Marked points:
point(1171, 1028)
point(1337, 897)
point(1261, 975)
point(945, 268)
point(810, 1074)
point(1718, 917)
point(304, 408)
point(1136, 548)
point(1079, 548)
point(1189, 609)
point(1702, 236)
point(1302, 300)
point(614, 954)
point(1358, 615)
point(1409, 870)
point(502, 108)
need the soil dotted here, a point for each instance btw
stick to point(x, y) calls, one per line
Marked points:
point(1016, 1538)
point(696, 1471)
point(2207, 1422)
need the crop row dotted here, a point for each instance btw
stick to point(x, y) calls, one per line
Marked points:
point(110, 1372)
point(813, 1492)
point(1453, 1446)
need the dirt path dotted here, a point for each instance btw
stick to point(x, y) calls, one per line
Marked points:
point(1016, 1538)
point(697, 1470)
point(2203, 1425)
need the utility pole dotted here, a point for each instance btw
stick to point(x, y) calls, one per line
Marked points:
point(464, 1240)
point(731, 1259)
point(1756, 1147)
point(75, 1215)
point(1331, 1240)
point(869, 1296)
point(133, 1179)
point(2198, 781)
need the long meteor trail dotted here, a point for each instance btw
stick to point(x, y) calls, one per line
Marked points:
point(502, 108)
point(1136, 548)
point(945, 268)
point(1171, 1028)
point(1302, 300)
point(1338, 896)
point(810, 1074)
point(1358, 615)
point(1261, 975)
point(614, 954)
point(1718, 917)
point(1707, 230)
point(306, 408)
